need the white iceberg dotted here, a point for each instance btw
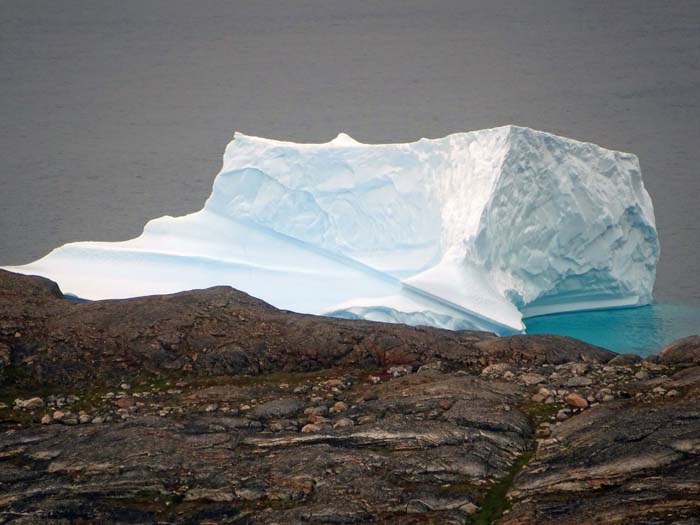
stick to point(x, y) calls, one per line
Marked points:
point(471, 231)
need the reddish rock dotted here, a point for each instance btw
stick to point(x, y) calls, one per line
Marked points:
point(576, 401)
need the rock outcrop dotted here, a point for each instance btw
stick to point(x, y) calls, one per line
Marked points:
point(211, 406)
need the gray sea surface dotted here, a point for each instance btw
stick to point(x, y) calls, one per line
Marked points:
point(113, 113)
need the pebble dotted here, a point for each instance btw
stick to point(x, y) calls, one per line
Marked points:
point(563, 414)
point(310, 428)
point(576, 401)
point(469, 508)
point(577, 381)
point(401, 370)
point(641, 375)
point(343, 422)
point(29, 404)
point(496, 369)
point(580, 368)
point(446, 404)
point(531, 379)
point(316, 411)
point(338, 407)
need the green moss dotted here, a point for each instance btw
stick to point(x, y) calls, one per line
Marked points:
point(495, 502)
point(541, 412)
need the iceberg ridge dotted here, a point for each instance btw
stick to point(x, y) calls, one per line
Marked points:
point(473, 230)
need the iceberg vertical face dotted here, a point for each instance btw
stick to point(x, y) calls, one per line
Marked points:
point(473, 230)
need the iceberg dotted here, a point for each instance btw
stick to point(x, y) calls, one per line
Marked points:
point(475, 230)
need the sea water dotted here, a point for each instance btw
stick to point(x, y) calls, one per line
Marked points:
point(642, 330)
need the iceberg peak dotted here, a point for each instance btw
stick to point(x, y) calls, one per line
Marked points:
point(343, 139)
point(473, 230)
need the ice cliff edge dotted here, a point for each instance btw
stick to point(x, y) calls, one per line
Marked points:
point(473, 230)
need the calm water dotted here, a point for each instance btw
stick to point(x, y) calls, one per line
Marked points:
point(640, 330)
point(112, 113)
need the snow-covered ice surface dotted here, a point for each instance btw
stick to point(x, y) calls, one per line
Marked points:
point(473, 230)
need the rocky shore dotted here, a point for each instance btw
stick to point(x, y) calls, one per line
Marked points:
point(212, 407)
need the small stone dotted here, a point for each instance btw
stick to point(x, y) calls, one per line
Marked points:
point(316, 411)
point(338, 407)
point(47, 419)
point(577, 381)
point(580, 368)
point(125, 402)
point(446, 404)
point(375, 379)
point(496, 369)
point(98, 420)
point(672, 393)
point(530, 379)
point(311, 428)
point(546, 392)
point(58, 415)
point(316, 419)
point(537, 398)
point(29, 404)
point(576, 401)
point(211, 407)
point(333, 383)
point(125, 386)
point(659, 390)
point(343, 422)
point(508, 375)
point(543, 432)
point(398, 371)
point(641, 375)
point(563, 414)
point(366, 420)
point(469, 508)
point(277, 426)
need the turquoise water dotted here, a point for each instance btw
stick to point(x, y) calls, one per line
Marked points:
point(642, 330)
